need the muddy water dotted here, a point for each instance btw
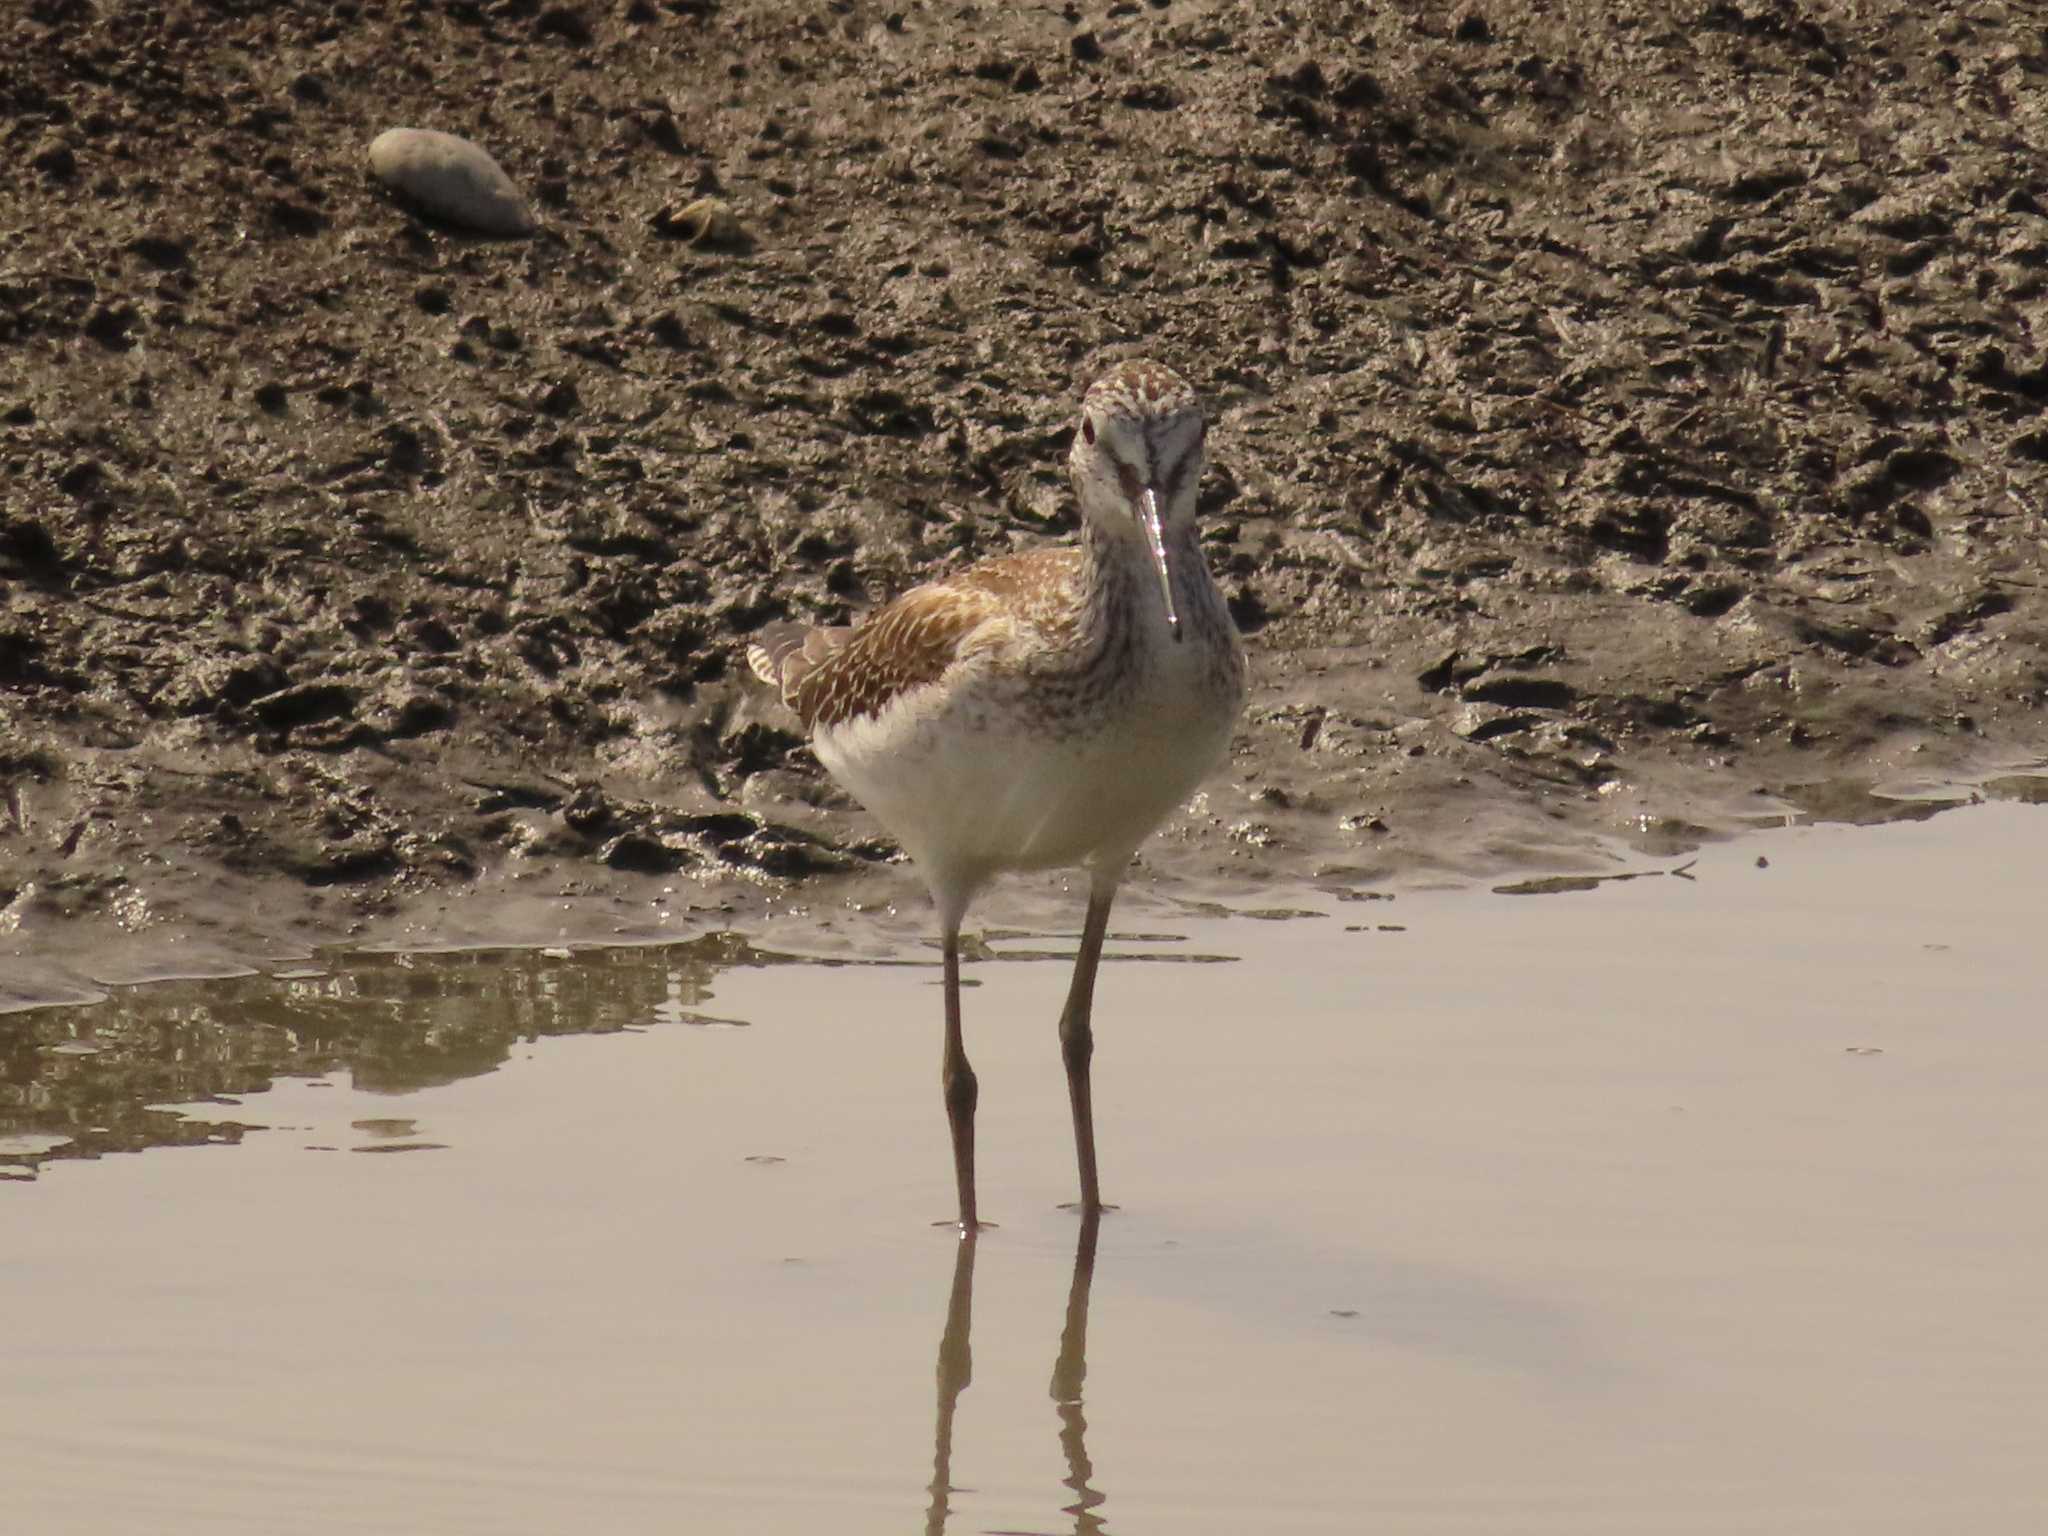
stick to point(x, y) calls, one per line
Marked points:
point(1710, 1200)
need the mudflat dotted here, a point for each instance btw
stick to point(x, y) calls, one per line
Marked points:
point(1616, 413)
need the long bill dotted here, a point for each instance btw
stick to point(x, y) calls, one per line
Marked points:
point(1148, 513)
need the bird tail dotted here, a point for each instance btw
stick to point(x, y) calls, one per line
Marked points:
point(767, 650)
point(781, 655)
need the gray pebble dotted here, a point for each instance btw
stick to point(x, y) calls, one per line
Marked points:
point(449, 178)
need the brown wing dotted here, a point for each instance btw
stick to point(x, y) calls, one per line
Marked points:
point(831, 675)
point(1039, 589)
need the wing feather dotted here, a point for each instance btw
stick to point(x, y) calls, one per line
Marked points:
point(829, 676)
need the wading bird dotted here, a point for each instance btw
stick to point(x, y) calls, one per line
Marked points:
point(1040, 710)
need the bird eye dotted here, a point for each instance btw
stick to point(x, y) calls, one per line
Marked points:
point(1088, 429)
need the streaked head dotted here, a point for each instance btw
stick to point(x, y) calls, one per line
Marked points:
point(1136, 459)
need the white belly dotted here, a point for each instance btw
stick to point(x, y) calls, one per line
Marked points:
point(970, 789)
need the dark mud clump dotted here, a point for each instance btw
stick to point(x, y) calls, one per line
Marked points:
point(1611, 418)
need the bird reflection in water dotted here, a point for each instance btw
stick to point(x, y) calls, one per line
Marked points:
point(1069, 1373)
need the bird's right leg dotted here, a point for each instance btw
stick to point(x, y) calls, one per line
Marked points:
point(962, 1091)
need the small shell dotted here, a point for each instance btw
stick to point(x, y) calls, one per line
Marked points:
point(707, 221)
point(449, 178)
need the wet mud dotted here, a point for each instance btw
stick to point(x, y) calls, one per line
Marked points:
point(1617, 412)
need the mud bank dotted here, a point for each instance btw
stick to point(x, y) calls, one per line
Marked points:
point(1617, 414)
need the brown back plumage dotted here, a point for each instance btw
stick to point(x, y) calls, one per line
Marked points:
point(833, 675)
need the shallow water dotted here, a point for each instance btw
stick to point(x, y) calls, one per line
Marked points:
point(1710, 1200)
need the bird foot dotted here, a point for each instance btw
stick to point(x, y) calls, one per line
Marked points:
point(1076, 1205)
point(964, 1228)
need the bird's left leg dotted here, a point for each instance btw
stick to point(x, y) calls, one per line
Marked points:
point(1077, 1037)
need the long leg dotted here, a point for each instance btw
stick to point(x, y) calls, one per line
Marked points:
point(1077, 1039)
point(962, 1091)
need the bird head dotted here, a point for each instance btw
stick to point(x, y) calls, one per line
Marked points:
point(1136, 459)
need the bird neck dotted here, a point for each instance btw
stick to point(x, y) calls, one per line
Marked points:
point(1123, 604)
